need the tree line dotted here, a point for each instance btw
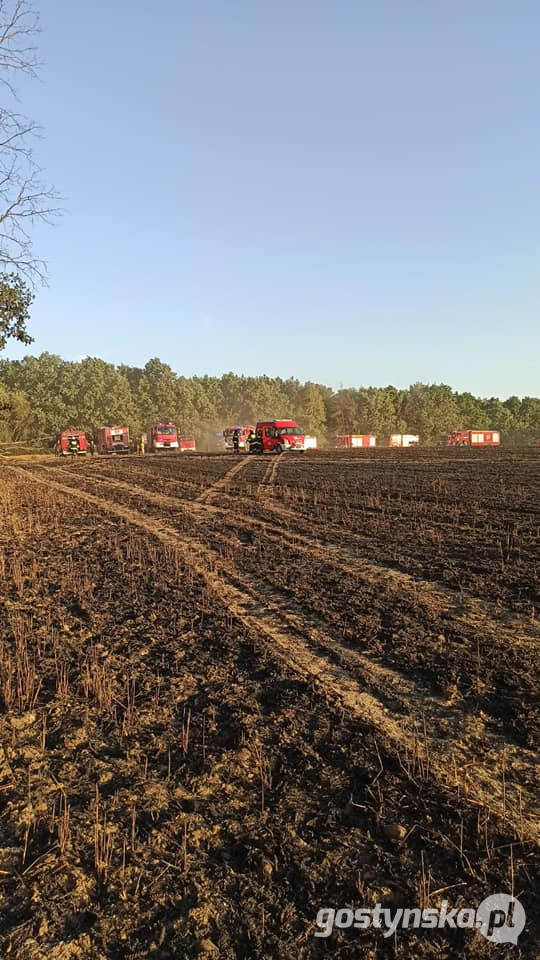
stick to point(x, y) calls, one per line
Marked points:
point(39, 396)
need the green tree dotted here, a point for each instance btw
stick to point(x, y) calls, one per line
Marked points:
point(498, 416)
point(431, 410)
point(344, 412)
point(312, 411)
point(43, 379)
point(378, 413)
point(41, 395)
point(15, 300)
point(263, 399)
point(530, 414)
point(15, 415)
point(471, 412)
point(513, 404)
point(156, 393)
point(100, 395)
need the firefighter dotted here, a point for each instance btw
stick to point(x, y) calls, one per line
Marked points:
point(91, 446)
point(254, 443)
point(236, 440)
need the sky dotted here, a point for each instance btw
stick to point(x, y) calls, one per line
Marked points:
point(342, 192)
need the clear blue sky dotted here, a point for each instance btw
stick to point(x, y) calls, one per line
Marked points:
point(340, 191)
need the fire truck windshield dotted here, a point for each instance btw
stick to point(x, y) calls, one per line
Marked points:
point(166, 430)
point(289, 432)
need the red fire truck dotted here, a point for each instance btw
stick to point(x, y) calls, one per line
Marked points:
point(113, 440)
point(71, 442)
point(278, 436)
point(162, 436)
point(244, 433)
point(187, 445)
point(349, 440)
point(473, 438)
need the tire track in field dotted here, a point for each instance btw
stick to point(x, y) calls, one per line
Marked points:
point(189, 488)
point(264, 490)
point(442, 741)
point(475, 608)
point(220, 485)
point(441, 599)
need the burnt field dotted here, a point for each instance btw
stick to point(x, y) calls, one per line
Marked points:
point(237, 690)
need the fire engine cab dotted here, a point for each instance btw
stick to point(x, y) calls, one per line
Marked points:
point(163, 436)
point(279, 436)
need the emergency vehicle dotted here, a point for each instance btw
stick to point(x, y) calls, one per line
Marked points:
point(71, 442)
point(473, 438)
point(349, 440)
point(162, 436)
point(279, 436)
point(244, 433)
point(403, 440)
point(187, 445)
point(113, 440)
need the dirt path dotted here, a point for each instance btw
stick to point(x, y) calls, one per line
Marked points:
point(429, 735)
point(220, 485)
point(270, 474)
point(265, 488)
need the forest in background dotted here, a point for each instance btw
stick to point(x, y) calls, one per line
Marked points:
point(41, 395)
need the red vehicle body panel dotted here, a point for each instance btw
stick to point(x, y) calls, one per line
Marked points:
point(113, 440)
point(187, 444)
point(268, 430)
point(71, 442)
point(473, 438)
point(163, 436)
point(349, 440)
point(244, 434)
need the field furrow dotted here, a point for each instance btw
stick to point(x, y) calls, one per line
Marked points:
point(236, 690)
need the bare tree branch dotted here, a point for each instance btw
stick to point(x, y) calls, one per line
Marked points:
point(24, 198)
point(19, 24)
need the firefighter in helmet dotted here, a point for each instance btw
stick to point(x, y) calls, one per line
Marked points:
point(254, 443)
point(236, 440)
